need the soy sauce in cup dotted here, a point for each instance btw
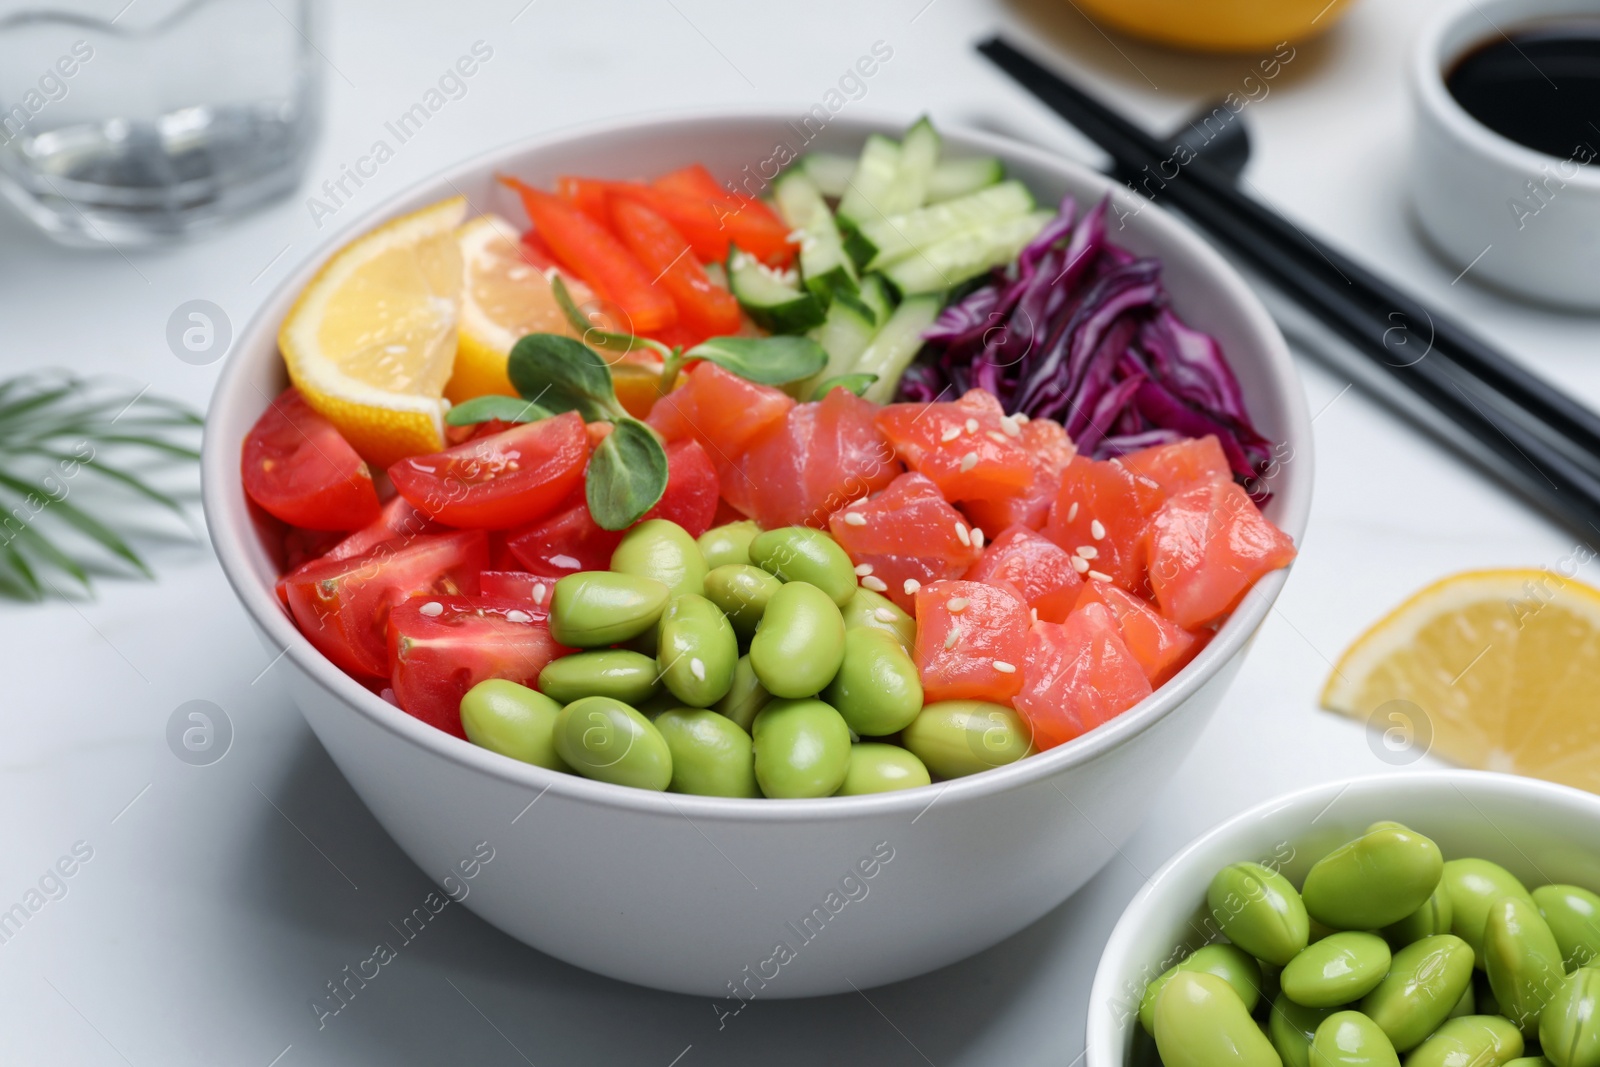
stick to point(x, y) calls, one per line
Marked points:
point(1538, 86)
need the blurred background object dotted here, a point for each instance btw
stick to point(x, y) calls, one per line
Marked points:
point(158, 122)
point(1217, 25)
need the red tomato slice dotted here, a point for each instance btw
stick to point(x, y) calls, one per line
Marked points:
point(1099, 514)
point(705, 309)
point(721, 410)
point(301, 546)
point(532, 591)
point(711, 226)
point(1049, 451)
point(300, 469)
point(908, 535)
point(343, 605)
point(1177, 466)
point(1161, 646)
point(971, 638)
point(397, 521)
point(968, 447)
point(1036, 566)
point(440, 647)
point(1206, 547)
point(1077, 675)
point(503, 480)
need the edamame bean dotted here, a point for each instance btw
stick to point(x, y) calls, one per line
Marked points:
point(800, 644)
point(877, 688)
point(1522, 959)
point(742, 592)
point(802, 748)
point(1292, 1027)
point(1340, 969)
point(722, 545)
point(514, 721)
point(593, 609)
point(745, 696)
point(1432, 918)
point(663, 550)
point(1473, 885)
point(697, 651)
point(1569, 1028)
point(711, 755)
point(1201, 1022)
point(1379, 878)
point(1259, 911)
point(879, 768)
point(1424, 983)
point(1478, 1040)
point(1573, 915)
point(1350, 1039)
point(610, 672)
point(878, 612)
point(1228, 962)
point(1527, 1061)
point(960, 737)
point(801, 554)
point(608, 741)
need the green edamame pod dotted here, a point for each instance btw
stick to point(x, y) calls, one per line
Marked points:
point(879, 768)
point(1292, 1027)
point(663, 550)
point(1424, 984)
point(1573, 915)
point(801, 554)
point(878, 612)
point(697, 651)
point(1379, 878)
point(1228, 962)
point(960, 737)
point(1522, 960)
point(1478, 1040)
point(1569, 1028)
point(877, 688)
point(711, 756)
point(722, 545)
point(742, 592)
point(802, 749)
point(1432, 918)
point(745, 696)
point(1473, 885)
point(514, 721)
point(608, 741)
point(1350, 1039)
point(1340, 969)
point(1201, 1022)
point(610, 672)
point(593, 609)
point(1259, 911)
point(800, 644)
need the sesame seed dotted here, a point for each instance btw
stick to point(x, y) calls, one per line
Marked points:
point(1097, 530)
point(911, 586)
point(977, 537)
point(1020, 418)
point(538, 593)
point(432, 609)
point(1080, 564)
point(952, 637)
point(1100, 576)
point(1004, 668)
point(877, 585)
point(998, 438)
point(883, 615)
point(950, 435)
point(697, 668)
point(1072, 512)
point(1010, 426)
point(957, 604)
point(863, 570)
point(517, 615)
point(1034, 614)
point(972, 425)
point(1088, 552)
point(962, 534)
point(969, 461)
point(1149, 483)
point(854, 518)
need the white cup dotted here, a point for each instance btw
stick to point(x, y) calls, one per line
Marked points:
point(1522, 220)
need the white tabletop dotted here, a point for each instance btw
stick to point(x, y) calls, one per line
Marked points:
point(219, 899)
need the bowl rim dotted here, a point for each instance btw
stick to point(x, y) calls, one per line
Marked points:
point(219, 478)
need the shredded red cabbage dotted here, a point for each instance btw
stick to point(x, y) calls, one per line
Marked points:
point(1079, 330)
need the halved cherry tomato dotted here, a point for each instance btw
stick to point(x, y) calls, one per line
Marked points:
point(440, 647)
point(1049, 451)
point(1161, 646)
point(711, 226)
point(530, 590)
point(343, 605)
point(695, 181)
point(971, 637)
point(1099, 514)
point(299, 468)
point(906, 534)
point(704, 308)
point(1076, 676)
point(1206, 548)
point(302, 546)
point(1038, 567)
point(506, 479)
point(968, 447)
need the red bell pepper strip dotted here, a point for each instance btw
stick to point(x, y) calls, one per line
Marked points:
point(695, 181)
point(704, 308)
point(710, 226)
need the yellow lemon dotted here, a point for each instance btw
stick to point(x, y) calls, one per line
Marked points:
point(1217, 25)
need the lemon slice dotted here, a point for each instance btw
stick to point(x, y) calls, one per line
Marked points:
point(372, 339)
point(1503, 667)
point(503, 297)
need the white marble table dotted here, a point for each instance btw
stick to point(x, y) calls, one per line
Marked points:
point(219, 899)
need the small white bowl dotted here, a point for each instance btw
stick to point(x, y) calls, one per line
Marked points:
point(1467, 181)
point(1542, 833)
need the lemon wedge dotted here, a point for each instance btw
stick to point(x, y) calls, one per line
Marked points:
point(371, 340)
point(1502, 666)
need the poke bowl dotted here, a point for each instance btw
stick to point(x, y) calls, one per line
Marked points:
point(642, 878)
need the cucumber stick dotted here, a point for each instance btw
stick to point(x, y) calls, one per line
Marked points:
point(875, 173)
point(919, 155)
point(823, 263)
point(875, 294)
point(844, 335)
point(965, 255)
point(828, 171)
point(958, 177)
point(768, 298)
point(899, 236)
point(894, 347)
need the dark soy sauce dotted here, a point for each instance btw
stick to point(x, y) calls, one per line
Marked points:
point(1539, 88)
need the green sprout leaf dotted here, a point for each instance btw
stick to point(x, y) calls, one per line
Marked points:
point(594, 336)
point(856, 383)
point(493, 407)
point(768, 360)
point(627, 475)
point(562, 374)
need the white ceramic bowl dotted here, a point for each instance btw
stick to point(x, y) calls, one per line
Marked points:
point(693, 894)
point(1542, 833)
point(1524, 221)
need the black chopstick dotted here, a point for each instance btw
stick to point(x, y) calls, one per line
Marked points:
point(1550, 448)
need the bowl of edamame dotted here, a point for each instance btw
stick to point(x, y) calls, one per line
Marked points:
point(748, 897)
point(1436, 917)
